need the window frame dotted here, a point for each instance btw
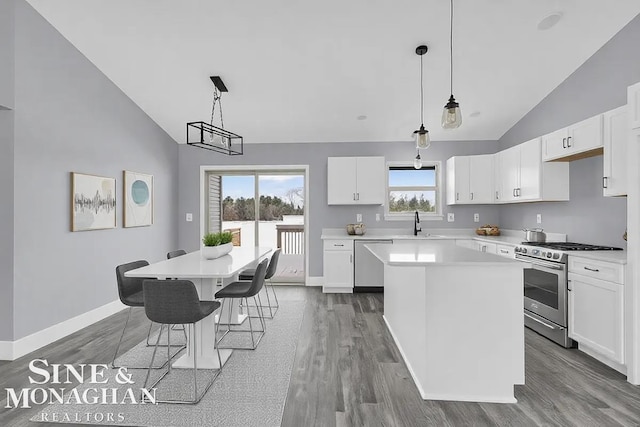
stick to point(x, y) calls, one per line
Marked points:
point(435, 216)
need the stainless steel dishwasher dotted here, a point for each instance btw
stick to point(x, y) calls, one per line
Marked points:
point(369, 270)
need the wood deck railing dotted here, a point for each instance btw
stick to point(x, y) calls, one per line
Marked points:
point(290, 238)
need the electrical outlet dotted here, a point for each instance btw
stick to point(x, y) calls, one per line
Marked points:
point(358, 217)
point(189, 217)
point(476, 217)
point(539, 218)
point(451, 217)
point(377, 217)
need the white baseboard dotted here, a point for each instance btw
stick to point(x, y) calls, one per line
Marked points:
point(315, 281)
point(6, 350)
point(337, 290)
point(12, 350)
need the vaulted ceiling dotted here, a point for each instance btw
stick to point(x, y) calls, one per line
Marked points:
point(301, 71)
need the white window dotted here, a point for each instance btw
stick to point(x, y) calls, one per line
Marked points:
point(410, 190)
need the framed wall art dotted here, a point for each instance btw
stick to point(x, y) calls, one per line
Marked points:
point(93, 202)
point(138, 199)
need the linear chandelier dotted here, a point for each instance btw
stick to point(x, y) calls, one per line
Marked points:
point(210, 137)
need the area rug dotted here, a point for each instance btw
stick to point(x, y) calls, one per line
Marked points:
point(250, 391)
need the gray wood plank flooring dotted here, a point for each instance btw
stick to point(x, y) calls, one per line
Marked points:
point(348, 372)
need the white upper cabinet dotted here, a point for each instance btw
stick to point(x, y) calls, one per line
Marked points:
point(470, 179)
point(481, 178)
point(616, 135)
point(355, 181)
point(583, 139)
point(633, 102)
point(523, 177)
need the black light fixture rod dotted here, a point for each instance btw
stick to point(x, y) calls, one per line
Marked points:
point(421, 50)
point(451, 49)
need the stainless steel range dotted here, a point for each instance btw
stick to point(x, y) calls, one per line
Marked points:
point(545, 286)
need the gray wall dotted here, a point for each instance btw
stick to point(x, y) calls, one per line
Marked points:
point(315, 155)
point(6, 169)
point(6, 225)
point(599, 85)
point(70, 117)
point(6, 53)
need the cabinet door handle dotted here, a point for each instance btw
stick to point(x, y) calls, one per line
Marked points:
point(351, 258)
point(569, 142)
point(357, 196)
point(497, 198)
point(514, 192)
point(504, 251)
point(591, 269)
point(337, 245)
point(518, 192)
point(457, 196)
point(604, 182)
point(564, 142)
point(471, 196)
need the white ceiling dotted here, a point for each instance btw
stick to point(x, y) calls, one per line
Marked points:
point(302, 71)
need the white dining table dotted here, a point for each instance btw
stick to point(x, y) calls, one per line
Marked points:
point(208, 276)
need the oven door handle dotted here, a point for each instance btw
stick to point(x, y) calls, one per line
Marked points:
point(541, 322)
point(535, 262)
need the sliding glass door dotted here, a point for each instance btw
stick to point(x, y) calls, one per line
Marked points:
point(261, 208)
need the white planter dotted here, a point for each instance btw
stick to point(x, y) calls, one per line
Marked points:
point(213, 252)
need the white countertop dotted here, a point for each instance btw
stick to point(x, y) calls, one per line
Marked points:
point(618, 257)
point(508, 237)
point(430, 253)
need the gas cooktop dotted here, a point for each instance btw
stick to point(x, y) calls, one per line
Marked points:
point(570, 246)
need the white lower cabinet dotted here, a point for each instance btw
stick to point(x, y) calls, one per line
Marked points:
point(490, 248)
point(338, 266)
point(596, 317)
point(505, 251)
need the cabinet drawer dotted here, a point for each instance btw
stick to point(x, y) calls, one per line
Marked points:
point(338, 245)
point(505, 251)
point(597, 269)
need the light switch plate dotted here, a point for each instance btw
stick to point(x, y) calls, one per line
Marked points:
point(451, 217)
point(476, 217)
point(358, 217)
point(189, 217)
point(539, 218)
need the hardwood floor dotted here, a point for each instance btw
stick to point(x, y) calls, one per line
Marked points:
point(348, 372)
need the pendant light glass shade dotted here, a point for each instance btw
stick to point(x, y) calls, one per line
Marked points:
point(422, 138)
point(451, 116)
point(417, 162)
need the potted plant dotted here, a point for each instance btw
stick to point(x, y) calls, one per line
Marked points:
point(216, 244)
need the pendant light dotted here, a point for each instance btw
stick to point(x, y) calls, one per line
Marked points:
point(417, 162)
point(421, 135)
point(451, 116)
point(215, 138)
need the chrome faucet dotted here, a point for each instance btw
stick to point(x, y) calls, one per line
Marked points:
point(416, 221)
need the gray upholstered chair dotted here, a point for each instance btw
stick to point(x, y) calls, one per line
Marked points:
point(245, 290)
point(271, 271)
point(174, 254)
point(131, 294)
point(170, 302)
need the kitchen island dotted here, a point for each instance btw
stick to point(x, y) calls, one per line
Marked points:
point(456, 317)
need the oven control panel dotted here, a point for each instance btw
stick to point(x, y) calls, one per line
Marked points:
point(539, 253)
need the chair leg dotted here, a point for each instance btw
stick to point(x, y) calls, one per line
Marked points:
point(115, 355)
point(273, 291)
point(153, 358)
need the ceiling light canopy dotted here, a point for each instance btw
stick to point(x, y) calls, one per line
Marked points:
point(451, 116)
point(549, 21)
point(211, 137)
